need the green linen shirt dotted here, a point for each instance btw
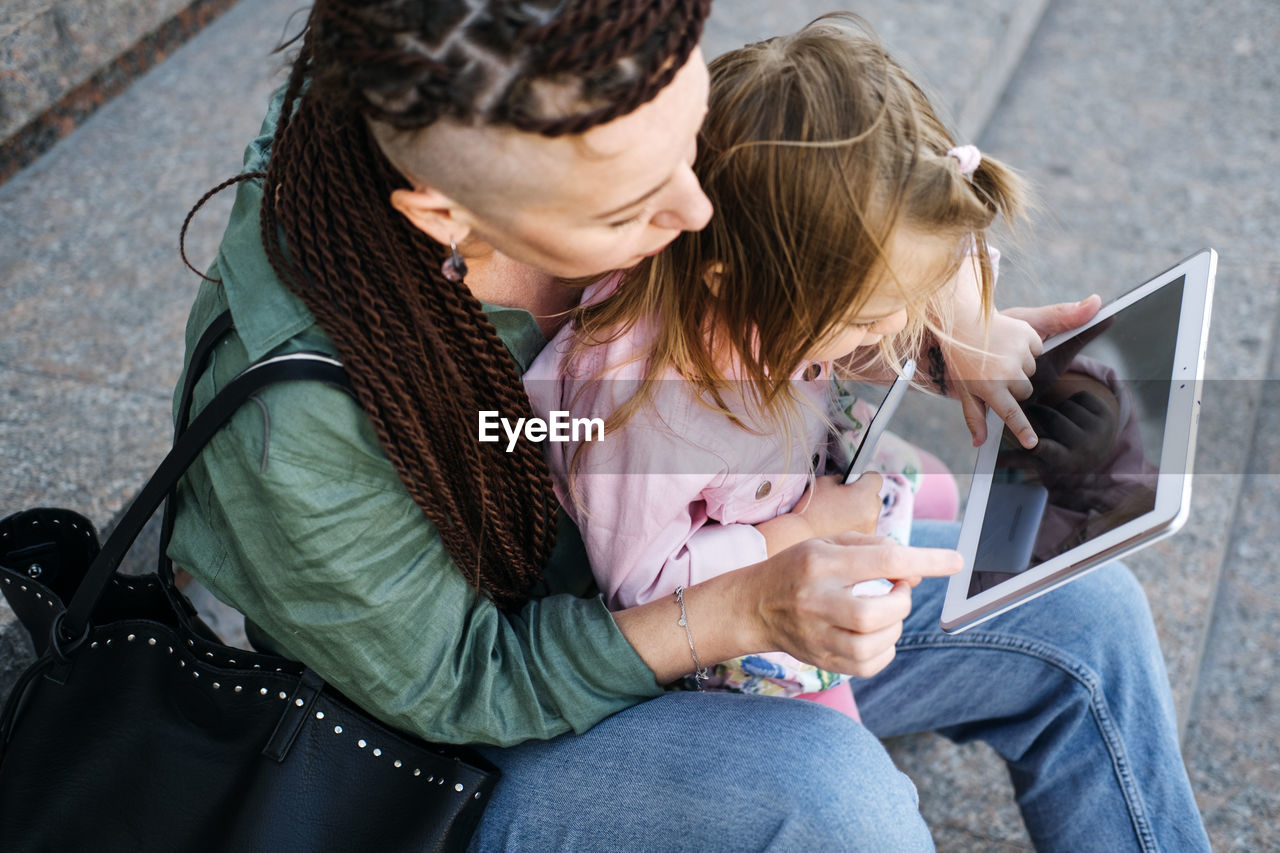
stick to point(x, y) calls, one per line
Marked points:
point(294, 516)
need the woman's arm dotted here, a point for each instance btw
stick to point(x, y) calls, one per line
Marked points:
point(798, 602)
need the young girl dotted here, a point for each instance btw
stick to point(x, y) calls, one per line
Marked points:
point(849, 230)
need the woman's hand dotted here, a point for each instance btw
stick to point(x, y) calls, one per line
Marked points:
point(799, 601)
point(827, 507)
point(805, 606)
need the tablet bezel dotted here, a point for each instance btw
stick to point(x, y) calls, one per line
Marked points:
point(879, 423)
point(1173, 489)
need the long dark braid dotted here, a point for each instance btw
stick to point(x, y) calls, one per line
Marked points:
point(422, 356)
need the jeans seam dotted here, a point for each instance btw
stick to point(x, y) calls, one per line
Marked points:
point(1097, 707)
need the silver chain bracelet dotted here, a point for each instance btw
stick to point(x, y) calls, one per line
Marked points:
point(700, 673)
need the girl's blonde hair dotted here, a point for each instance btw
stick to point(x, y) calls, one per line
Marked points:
point(816, 146)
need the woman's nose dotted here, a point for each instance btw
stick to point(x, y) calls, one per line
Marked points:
point(686, 208)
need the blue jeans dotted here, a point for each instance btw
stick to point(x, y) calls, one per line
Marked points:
point(1070, 689)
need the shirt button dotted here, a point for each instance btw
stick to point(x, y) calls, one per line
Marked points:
point(812, 372)
point(763, 492)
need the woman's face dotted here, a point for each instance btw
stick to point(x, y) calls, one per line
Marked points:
point(582, 205)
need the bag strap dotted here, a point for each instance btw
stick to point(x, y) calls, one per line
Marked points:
point(74, 625)
point(199, 361)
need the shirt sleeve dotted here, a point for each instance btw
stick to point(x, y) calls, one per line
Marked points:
point(718, 548)
point(295, 517)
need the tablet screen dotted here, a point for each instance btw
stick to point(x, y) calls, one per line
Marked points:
point(1098, 405)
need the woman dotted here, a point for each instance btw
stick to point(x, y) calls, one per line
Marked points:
point(429, 172)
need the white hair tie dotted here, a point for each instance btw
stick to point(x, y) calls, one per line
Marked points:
point(968, 156)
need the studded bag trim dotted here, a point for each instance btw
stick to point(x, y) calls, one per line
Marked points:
point(137, 729)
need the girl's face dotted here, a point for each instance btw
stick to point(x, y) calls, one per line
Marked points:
point(577, 206)
point(915, 264)
point(864, 330)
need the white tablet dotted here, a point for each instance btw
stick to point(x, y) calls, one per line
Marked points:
point(1115, 405)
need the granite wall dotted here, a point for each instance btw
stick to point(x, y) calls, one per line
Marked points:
point(61, 59)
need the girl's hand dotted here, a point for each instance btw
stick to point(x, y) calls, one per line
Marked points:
point(827, 507)
point(1000, 378)
point(991, 368)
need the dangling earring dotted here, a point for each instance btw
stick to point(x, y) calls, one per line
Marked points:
point(454, 267)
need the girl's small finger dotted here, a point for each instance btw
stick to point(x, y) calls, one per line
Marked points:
point(1011, 413)
point(1021, 388)
point(975, 417)
point(1029, 364)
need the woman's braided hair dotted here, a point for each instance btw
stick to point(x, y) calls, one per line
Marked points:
point(421, 354)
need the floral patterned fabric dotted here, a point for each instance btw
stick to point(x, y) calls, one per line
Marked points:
point(899, 463)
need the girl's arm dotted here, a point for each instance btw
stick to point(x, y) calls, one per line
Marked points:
point(827, 507)
point(639, 493)
point(987, 362)
point(992, 371)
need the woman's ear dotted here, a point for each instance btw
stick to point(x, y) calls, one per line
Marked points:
point(711, 274)
point(433, 213)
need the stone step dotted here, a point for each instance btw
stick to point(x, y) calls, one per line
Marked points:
point(94, 296)
point(1112, 114)
point(61, 59)
point(1149, 131)
point(1232, 750)
point(963, 53)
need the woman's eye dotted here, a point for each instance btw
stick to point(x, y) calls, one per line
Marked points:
point(630, 220)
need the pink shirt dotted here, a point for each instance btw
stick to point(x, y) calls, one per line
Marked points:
point(670, 499)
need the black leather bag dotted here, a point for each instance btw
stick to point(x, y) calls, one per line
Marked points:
point(137, 730)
